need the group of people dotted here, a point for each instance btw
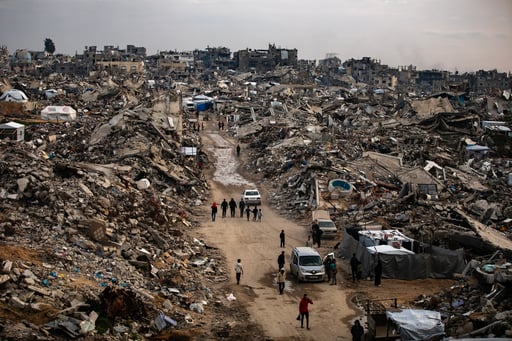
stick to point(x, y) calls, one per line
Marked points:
point(331, 268)
point(356, 330)
point(256, 212)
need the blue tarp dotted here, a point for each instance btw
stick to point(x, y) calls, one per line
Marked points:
point(477, 148)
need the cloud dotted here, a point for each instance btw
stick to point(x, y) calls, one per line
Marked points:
point(455, 35)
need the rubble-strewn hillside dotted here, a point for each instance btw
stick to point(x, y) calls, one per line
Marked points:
point(95, 212)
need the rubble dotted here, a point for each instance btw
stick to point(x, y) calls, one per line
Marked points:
point(96, 209)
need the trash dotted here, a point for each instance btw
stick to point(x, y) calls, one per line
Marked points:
point(143, 184)
point(197, 307)
point(231, 297)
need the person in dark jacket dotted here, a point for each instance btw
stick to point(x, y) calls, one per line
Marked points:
point(327, 266)
point(248, 212)
point(282, 238)
point(232, 207)
point(378, 273)
point(255, 213)
point(357, 331)
point(224, 206)
point(280, 260)
point(354, 263)
point(241, 206)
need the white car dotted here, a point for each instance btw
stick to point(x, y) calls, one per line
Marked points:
point(251, 197)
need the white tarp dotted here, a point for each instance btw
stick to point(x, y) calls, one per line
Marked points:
point(417, 324)
point(14, 95)
point(389, 250)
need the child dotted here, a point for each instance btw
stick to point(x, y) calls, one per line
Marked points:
point(259, 215)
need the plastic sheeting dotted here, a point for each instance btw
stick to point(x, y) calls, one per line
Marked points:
point(434, 262)
point(416, 324)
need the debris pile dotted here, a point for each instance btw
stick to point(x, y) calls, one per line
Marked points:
point(94, 221)
point(95, 211)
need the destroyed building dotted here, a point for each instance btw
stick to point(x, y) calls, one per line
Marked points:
point(265, 60)
point(102, 203)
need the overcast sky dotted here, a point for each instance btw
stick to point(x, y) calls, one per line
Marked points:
point(463, 35)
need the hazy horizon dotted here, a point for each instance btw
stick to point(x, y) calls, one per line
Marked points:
point(455, 35)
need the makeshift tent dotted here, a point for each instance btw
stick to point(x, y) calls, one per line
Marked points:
point(14, 96)
point(58, 113)
point(417, 324)
point(428, 261)
point(12, 130)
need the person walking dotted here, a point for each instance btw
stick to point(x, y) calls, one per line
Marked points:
point(281, 279)
point(224, 206)
point(241, 206)
point(357, 331)
point(239, 270)
point(378, 273)
point(248, 212)
point(214, 210)
point(238, 150)
point(281, 238)
point(354, 263)
point(334, 270)
point(260, 215)
point(280, 260)
point(232, 207)
point(254, 213)
point(327, 267)
point(304, 310)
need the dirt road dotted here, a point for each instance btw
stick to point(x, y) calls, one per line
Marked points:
point(257, 245)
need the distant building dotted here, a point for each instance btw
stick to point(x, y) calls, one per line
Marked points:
point(486, 81)
point(366, 70)
point(214, 57)
point(265, 60)
point(432, 80)
point(120, 66)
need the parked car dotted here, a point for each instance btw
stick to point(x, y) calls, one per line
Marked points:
point(325, 223)
point(251, 197)
point(306, 264)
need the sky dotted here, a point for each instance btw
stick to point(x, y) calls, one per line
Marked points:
point(454, 35)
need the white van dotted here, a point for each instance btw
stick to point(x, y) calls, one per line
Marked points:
point(306, 264)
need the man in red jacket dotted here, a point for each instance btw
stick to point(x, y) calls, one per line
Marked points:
point(304, 311)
